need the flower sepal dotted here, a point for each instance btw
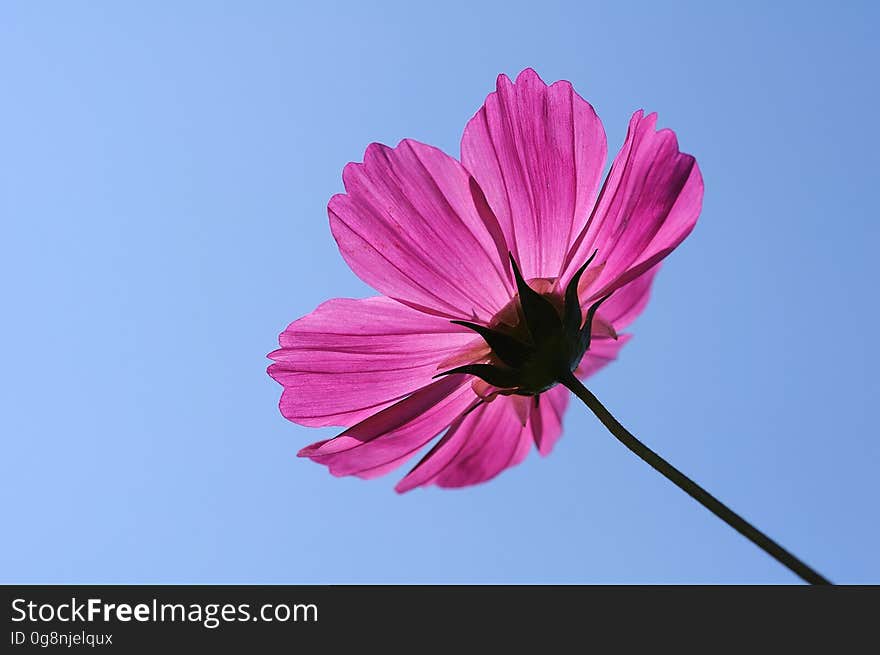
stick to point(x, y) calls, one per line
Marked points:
point(548, 349)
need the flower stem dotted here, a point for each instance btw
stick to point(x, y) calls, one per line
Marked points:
point(690, 487)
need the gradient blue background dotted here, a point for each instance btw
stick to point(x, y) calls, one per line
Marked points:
point(164, 172)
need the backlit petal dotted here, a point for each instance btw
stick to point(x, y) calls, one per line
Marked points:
point(386, 439)
point(601, 353)
point(625, 305)
point(537, 152)
point(408, 226)
point(649, 204)
point(547, 429)
point(351, 358)
point(476, 448)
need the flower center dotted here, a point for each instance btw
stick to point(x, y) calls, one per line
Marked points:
point(536, 340)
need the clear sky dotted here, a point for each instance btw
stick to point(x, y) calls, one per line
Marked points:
point(164, 174)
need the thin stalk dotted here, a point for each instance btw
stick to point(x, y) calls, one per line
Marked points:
point(691, 488)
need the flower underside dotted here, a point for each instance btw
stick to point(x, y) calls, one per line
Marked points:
point(543, 347)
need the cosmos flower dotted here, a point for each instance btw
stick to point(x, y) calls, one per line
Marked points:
point(499, 273)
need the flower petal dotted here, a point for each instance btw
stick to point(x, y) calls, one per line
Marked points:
point(601, 353)
point(547, 427)
point(386, 439)
point(537, 152)
point(625, 305)
point(649, 204)
point(408, 226)
point(351, 358)
point(492, 437)
point(476, 448)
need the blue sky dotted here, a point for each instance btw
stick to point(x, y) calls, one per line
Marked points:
point(164, 174)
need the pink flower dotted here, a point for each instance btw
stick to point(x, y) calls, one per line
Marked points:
point(436, 237)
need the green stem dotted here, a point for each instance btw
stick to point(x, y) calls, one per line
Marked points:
point(691, 488)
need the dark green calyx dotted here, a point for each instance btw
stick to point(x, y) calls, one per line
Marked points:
point(544, 348)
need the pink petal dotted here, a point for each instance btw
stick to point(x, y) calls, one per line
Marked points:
point(351, 358)
point(601, 353)
point(537, 152)
point(522, 406)
point(492, 437)
point(649, 204)
point(408, 226)
point(624, 306)
point(386, 439)
point(548, 428)
point(476, 448)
